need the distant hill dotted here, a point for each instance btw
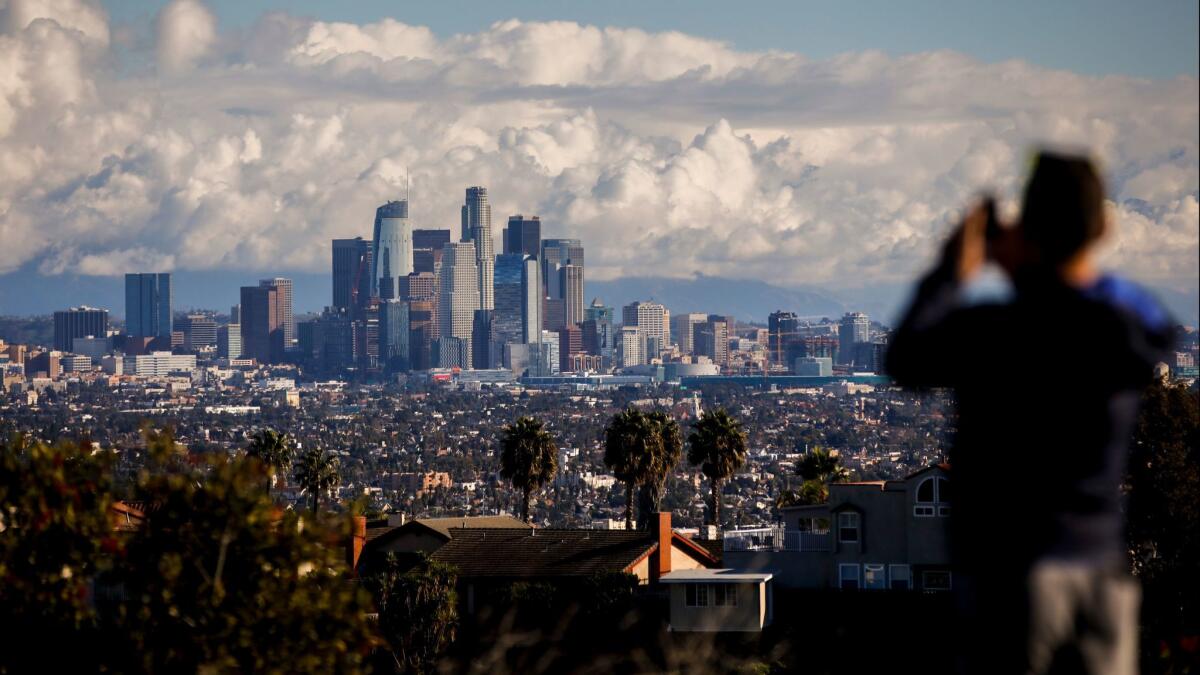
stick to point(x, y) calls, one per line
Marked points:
point(744, 299)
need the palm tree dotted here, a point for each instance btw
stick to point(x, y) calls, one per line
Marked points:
point(274, 450)
point(717, 445)
point(818, 468)
point(317, 472)
point(629, 449)
point(665, 452)
point(528, 457)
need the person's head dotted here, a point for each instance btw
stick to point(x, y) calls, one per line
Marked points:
point(1063, 214)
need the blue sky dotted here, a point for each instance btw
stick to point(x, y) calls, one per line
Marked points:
point(1156, 39)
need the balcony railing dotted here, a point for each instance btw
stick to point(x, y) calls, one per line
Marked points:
point(776, 539)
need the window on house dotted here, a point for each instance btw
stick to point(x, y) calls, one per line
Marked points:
point(933, 496)
point(901, 577)
point(696, 595)
point(874, 577)
point(848, 529)
point(935, 580)
point(725, 594)
point(848, 576)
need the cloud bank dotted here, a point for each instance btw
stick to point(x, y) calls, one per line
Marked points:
point(667, 153)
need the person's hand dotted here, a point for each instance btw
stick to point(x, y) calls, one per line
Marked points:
point(966, 249)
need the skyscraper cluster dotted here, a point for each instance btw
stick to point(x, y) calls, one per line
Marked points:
point(412, 299)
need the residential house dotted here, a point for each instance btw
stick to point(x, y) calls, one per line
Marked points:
point(869, 535)
point(719, 600)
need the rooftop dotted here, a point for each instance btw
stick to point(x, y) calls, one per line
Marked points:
point(728, 576)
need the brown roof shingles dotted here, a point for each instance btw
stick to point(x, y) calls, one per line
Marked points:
point(540, 554)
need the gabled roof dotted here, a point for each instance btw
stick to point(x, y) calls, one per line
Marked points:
point(441, 527)
point(548, 553)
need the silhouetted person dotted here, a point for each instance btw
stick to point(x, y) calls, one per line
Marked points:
point(1047, 388)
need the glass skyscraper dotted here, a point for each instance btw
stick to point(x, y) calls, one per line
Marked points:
point(477, 227)
point(148, 305)
point(391, 248)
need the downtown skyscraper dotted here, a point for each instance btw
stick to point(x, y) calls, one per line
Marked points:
point(283, 308)
point(391, 249)
point(351, 273)
point(477, 228)
point(517, 317)
point(563, 278)
point(523, 235)
point(459, 291)
point(148, 305)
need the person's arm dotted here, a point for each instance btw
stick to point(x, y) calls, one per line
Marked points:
point(924, 349)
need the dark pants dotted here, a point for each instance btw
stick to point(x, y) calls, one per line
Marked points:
point(1054, 617)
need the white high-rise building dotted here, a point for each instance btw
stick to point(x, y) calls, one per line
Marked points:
point(682, 330)
point(458, 291)
point(632, 344)
point(391, 249)
point(653, 322)
point(477, 228)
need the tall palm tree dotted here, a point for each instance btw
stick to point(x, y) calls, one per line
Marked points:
point(317, 472)
point(629, 449)
point(528, 458)
point(717, 445)
point(665, 452)
point(275, 450)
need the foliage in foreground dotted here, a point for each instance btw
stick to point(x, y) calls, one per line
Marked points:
point(217, 578)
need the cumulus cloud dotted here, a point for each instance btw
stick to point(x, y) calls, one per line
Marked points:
point(186, 30)
point(664, 152)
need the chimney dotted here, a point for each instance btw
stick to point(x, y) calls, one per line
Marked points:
point(358, 539)
point(664, 543)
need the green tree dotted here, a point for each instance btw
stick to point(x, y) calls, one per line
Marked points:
point(273, 449)
point(317, 473)
point(717, 445)
point(56, 536)
point(1163, 485)
point(629, 450)
point(418, 612)
point(665, 451)
point(528, 458)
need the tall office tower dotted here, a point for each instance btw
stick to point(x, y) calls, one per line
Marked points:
point(427, 243)
point(229, 341)
point(235, 314)
point(855, 329)
point(394, 328)
point(508, 322)
point(283, 306)
point(531, 301)
point(199, 332)
point(633, 346)
point(459, 291)
point(549, 362)
point(477, 227)
point(262, 332)
point(602, 316)
point(486, 349)
point(556, 254)
point(78, 322)
point(523, 235)
point(148, 305)
point(683, 328)
point(330, 342)
point(351, 273)
point(570, 343)
point(420, 323)
point(391, 248)
point(653, 322)
point(572, 286)
point(783, 338)
point(711, 338)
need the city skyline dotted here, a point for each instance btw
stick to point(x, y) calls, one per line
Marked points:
point(719, 158)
